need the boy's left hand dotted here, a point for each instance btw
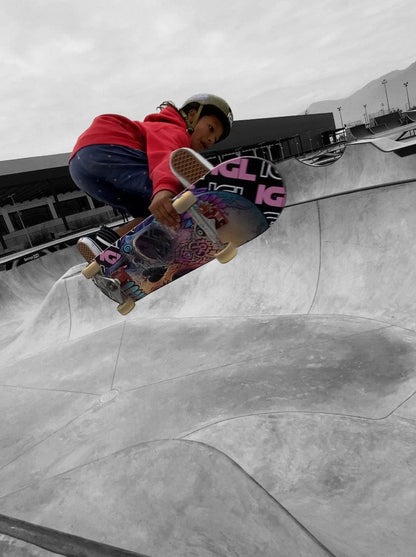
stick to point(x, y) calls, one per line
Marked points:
point(162, 209)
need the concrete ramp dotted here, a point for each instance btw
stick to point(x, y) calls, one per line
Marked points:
point(264, 407)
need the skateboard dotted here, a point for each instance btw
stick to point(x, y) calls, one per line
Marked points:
point(230, 205)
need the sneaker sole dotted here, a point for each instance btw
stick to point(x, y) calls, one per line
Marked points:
point(86, 252)
point(188, 166)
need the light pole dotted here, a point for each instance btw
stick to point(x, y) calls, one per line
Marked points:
point(384, 82)
point(339, 108)
point(365, 114)
point(20, 218)
point(406, 83)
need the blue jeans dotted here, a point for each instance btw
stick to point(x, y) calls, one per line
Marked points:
point(115, 175)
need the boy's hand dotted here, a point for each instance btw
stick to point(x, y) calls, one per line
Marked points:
point(162, 209)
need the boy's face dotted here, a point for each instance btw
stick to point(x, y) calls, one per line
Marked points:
point(208, 131)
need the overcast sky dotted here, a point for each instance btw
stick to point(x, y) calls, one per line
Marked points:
point(65, 61)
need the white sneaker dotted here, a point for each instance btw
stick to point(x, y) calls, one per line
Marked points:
point(188, 166)
point(92, 245)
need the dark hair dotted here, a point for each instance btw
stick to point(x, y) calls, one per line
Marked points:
point(165, 104)
point(190, 106)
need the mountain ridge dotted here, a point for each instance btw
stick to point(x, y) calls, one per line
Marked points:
point(376, 97)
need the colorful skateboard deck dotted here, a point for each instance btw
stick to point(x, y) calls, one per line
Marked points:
point(232, 204)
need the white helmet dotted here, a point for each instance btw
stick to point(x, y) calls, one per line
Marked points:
point(208, 104)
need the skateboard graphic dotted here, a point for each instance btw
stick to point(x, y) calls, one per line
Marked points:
point(233, 203)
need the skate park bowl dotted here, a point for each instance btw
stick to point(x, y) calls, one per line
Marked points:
point(262, 407)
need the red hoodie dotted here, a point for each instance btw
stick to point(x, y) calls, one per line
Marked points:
point(158, 135)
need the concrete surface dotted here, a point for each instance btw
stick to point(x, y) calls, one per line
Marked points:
point(264, 407)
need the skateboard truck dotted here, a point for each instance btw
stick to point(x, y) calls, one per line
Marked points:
point(110, 287)
point(187, 202)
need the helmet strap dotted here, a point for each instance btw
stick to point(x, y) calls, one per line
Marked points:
point(195, 120)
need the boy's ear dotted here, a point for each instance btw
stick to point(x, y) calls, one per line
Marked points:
point(191, 115)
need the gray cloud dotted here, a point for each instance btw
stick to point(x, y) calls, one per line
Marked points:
point(64, 61)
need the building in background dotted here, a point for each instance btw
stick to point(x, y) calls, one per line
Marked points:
point(39, 202)
point(276, 139)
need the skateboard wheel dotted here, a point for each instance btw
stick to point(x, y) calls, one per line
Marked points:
point(91, 270)
point(184, 202)
point(126, 306)
point(228, 253)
